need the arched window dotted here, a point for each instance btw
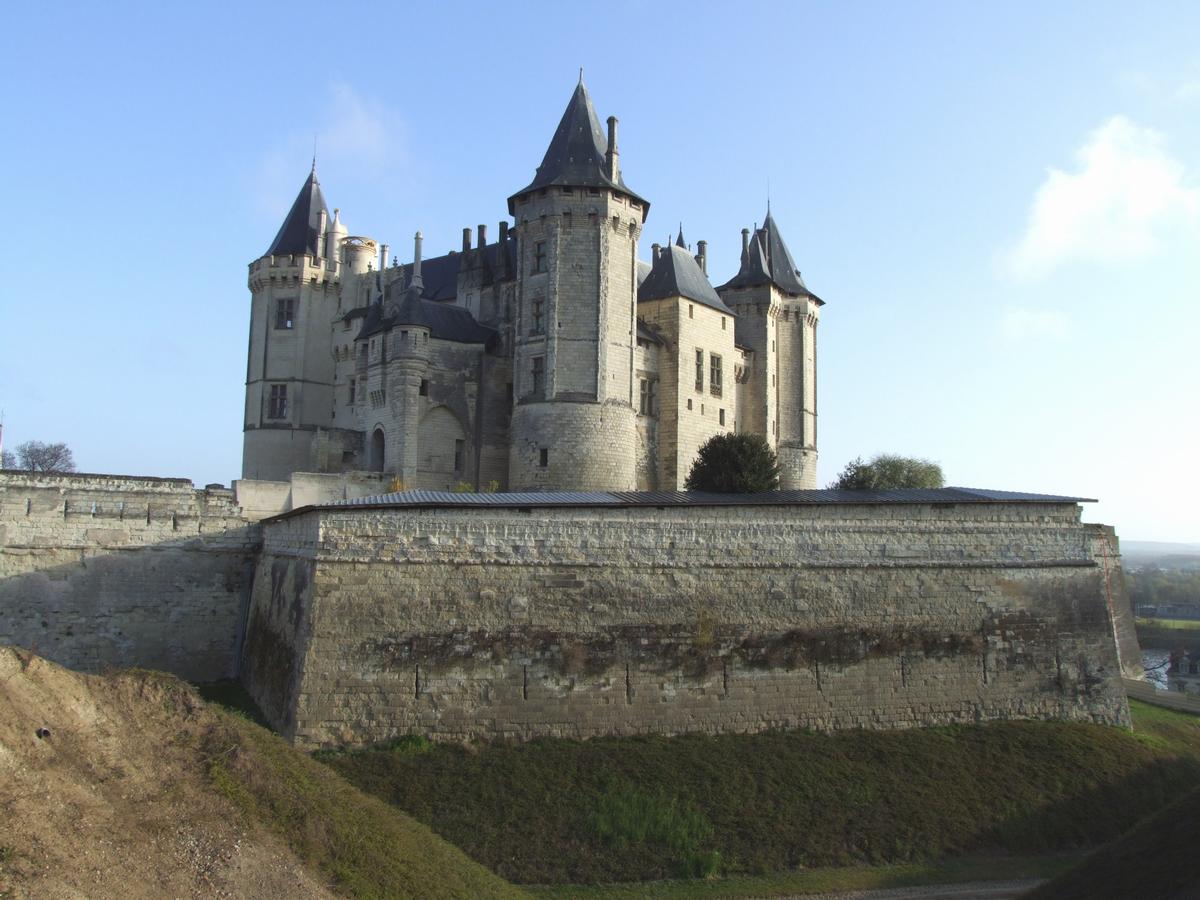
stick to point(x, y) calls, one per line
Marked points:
point(377, 448)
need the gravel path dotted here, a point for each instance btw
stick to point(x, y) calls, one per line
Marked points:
point(972, 890)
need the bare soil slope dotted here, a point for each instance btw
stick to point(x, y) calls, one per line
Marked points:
point(103, 792)
point(128, 785)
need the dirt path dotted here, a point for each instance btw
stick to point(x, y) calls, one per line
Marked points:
point(974, 890)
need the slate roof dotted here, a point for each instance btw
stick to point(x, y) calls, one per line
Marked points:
point(298, 234)
point(548, 499)
point(575, 157)
point(440, 273)
point(768, 261)
point(445, 321)
point(677, 274)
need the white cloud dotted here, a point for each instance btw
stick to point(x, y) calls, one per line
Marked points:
point(1125, 193)
point(1020, 323)
point(354, 133)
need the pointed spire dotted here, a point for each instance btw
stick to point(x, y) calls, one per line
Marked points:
point(579, 154)
point(679, 240)
point(299, 232)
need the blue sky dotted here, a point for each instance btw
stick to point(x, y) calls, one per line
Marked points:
point(1000, 205)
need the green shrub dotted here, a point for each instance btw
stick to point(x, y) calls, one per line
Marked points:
point(625, 815)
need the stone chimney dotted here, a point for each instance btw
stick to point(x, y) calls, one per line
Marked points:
point(482, 231)
point(655, 250)
point(466, 247)
point(611, 157)
point(702, 256)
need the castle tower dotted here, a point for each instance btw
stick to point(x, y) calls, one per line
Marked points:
point(290, 370)
point(577, 226)
point(777, 320)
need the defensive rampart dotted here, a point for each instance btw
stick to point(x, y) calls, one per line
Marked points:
point(517, 620)
point(105, 570)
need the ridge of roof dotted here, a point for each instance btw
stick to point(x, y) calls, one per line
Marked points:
point(658, 499)
point(298, 234)
point(677, 274)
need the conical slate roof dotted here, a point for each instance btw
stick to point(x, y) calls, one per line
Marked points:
point(575, 157)
point(770, 262)
point(298, 234)
point(677, 274)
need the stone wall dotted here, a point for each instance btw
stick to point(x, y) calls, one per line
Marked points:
point(369, 623)
point(103, 570)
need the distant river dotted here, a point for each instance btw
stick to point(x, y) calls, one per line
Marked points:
point(1155, 663)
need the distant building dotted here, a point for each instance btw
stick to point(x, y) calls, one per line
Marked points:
point(551, 359)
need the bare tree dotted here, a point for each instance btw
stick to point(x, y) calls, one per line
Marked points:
point(8, 460)
point(38, 457)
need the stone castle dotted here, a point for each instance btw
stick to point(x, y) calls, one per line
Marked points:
point(556, 365)
point(552, 359)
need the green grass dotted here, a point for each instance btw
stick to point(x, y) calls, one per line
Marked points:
point(1157, 858)
point(779, 802)
point(365, 847)
point(1180, 624)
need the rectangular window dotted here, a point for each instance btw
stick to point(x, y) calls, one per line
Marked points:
point(351, 390)
point(714, 374)
point(699, 370)
point(543, 457)
point(539, 256)
point(646, 404)
point(539, 319)
point(423, 390)
point(459, 449)
point(689, 402)
point(721, 416)
point(285, 312)
point(722, 323)
point(691, 311)
point(539, 377)
point(277, 406)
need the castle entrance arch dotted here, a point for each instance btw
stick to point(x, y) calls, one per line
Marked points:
point(376, 456)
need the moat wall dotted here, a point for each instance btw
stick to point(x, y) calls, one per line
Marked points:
point(367, 623)
point(104, 571)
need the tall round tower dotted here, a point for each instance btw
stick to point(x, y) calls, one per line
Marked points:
point(577, 225)
point(289, 369)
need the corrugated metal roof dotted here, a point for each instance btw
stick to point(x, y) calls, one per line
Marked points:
point(633, 499)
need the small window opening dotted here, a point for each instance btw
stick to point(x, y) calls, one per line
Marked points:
point(543, 457)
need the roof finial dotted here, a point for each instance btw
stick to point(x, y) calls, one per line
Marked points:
point(768, 195)
point(679, 240)
point(314, 166)
point(581, 75)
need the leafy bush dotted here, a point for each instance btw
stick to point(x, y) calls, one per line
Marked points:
point(734, 464)
point(889, 472)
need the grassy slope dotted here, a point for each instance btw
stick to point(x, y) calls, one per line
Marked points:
point(1177, 624)
point(780, 801)
point(367, 848)
point(1158, 857)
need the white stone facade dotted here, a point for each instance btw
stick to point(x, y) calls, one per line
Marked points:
point(535, 362)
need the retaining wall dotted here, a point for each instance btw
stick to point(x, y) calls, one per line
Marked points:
point(102, 570)
point(505, 622)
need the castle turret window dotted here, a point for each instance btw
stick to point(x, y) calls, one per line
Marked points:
point(699, 370)
point(539, 256)
point(277, 404)
point(285, 312)
point(351, 390)
point(646, 406)
point(539, 377)
point(714, 375)
point(543, 457)
point(423, 388)
point(539, 317)
point(459, 449)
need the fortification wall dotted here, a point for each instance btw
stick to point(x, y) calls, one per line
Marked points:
point(103, 570)
point(369, 623)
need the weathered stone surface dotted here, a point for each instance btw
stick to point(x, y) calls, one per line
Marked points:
point(99, 571)
point(580, 622)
